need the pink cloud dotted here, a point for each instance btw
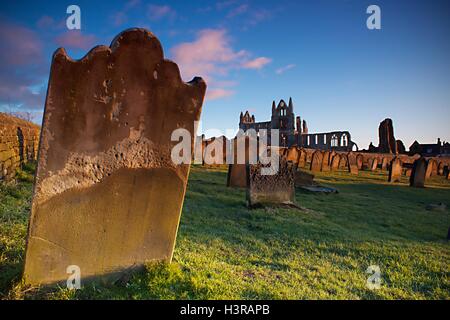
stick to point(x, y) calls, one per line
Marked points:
point(212, 94)
point(19, 45)
point(257, 63)
point(156, 12)
point(74, 39)
point(211, 56)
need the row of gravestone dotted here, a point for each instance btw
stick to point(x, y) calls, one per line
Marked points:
point(317, 160)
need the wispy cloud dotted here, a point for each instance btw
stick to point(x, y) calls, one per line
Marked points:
point(157, 12)
point(220, 93)
point(22, 66)
point(74, 39)
point(257, 63)
point(238, 10)
point(285, 68)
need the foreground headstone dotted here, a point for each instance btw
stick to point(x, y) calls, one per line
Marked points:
point(395, 170)
point(268, 190)
point(418, 173)
point(108, 196)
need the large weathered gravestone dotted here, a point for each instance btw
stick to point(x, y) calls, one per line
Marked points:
point(108, 196)
point(343, 162)
point(395, 170)
point(352, 164)
point(373, 164)
point(429, 168)
point(316, 161)
point(273, 189)
point(418, 173)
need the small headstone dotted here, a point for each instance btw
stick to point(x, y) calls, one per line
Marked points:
point(293, 155)
point(302, 159)
point(359, 161)
point(395, 170)
point(237, 176)
point(268, 190)
point(384, 163)
point(352, 164)
point(440, 170)
point(374, 164)
point(430, 168)
point(316, 161)
point(335, 162)
point(343, 162)
point(418, 174)
point(326, 161)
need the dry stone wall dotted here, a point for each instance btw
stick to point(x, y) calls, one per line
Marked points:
point(19, 140)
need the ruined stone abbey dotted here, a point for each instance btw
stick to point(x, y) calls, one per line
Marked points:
point(294, 131)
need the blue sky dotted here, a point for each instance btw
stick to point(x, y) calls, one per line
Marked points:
point(340, 75)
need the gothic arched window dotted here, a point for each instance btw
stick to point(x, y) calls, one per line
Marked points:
point(334, 141)
point(344, 140)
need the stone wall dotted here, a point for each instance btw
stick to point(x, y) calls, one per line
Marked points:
point(19, 140)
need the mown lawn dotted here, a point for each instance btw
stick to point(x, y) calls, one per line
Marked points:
point(225, 251)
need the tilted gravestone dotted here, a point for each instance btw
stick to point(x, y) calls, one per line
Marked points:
point(273, 189)
point(326, 161)
point(373, 164)
point(418, 174)
point(352, 164)
point(429, 168)
point(335, 162)
point(384, 163)
point(316, 161)
point(302, 159)
point(440, 170)
point(293, 155)
point(108, 196)
point(395, 170)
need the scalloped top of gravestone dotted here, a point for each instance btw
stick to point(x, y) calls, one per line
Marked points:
point(108, 196)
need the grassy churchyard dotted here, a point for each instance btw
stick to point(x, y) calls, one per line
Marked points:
point(225, 251)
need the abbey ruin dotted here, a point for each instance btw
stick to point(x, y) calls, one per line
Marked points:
point(294, 131)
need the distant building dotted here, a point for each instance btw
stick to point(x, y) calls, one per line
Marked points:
point(430, 150)
point(294, 131)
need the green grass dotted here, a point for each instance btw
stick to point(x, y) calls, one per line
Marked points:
point(225, 251)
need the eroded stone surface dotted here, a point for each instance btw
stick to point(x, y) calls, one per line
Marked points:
point(352, 164)
point(316, 161)
point(107, 195)
point(271, 189)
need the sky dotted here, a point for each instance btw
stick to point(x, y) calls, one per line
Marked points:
point(340, 74)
